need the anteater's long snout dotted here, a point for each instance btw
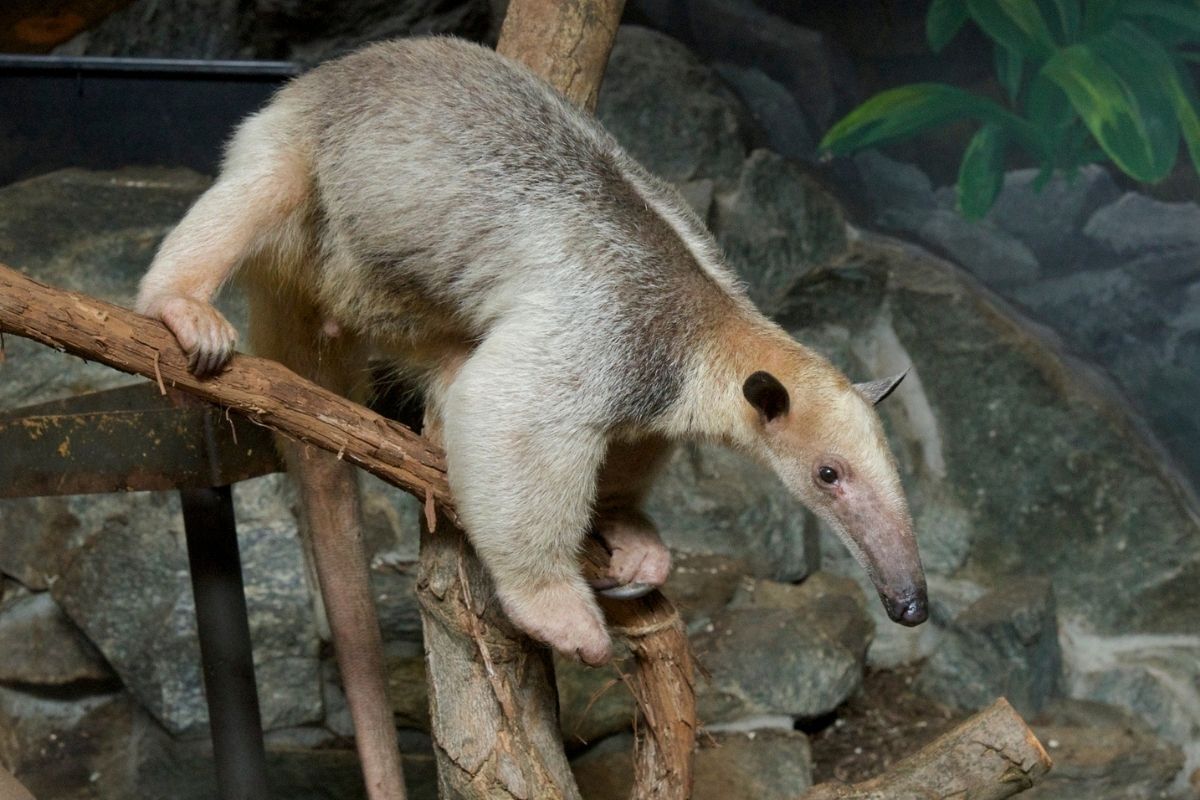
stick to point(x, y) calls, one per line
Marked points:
point(880, 532)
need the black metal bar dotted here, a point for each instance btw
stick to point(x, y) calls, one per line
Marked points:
point(151, 67)
point(225, 643)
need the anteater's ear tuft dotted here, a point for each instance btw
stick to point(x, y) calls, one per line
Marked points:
point(876, 392)
point(766, 393)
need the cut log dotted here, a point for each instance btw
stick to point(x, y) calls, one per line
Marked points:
point(990, 756)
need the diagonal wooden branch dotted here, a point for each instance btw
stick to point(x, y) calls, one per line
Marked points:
point(263, 390)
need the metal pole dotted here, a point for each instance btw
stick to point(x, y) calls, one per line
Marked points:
point(225, 643)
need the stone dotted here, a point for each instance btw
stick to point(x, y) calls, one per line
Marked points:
point(702, 584)
point(1050, 221)
point(901, 195)
point(806, 62)
point(710, 500)
point(1101, 752)
point(776, 651)
point(1098, 312)
point(127, 588)
point(1136, 224)
point(1153, 676)
point(270, 29)
point(755, 765)
point(76, 747)
point(782, 125)
point(992, 255)
point(42, 647)
point(777, 228)
point(669, 111)
point(1004, 645)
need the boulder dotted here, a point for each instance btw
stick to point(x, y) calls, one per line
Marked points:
point(782, 125)
point(777, 227)
point(127, 588)
point(755, 765)
point(271, 29)
point(1136, 224)
point(1101, 752)
point(42, 647)
point(782, 650)
point(994, 256)
point(899, 193)
point(1050, 221)
point(1004, 645)
point(669, 111)
point(710, 500)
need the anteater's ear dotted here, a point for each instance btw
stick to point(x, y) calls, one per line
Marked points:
point(877, 391)
point(766, 393)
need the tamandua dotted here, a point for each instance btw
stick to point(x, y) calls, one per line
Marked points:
point(566, 313)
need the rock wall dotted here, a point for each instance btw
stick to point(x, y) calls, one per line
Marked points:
point(1062, 547)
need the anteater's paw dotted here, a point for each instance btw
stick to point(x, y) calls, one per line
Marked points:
point(206, 336)
point(639, 561)
point(563, 615)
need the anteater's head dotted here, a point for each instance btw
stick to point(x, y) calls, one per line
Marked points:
point(822, 436)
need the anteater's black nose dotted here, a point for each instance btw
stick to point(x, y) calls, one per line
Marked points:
point(907, 609)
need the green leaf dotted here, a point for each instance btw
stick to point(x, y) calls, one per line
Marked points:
point(1064, 18)
point(1121, 110)
point(943, 22)
point(1099, 15)
point(1017, 24)
point(1145, 57)
point(981, 173)
point(901, 112)
point(1184, 16)
point(1008, 65)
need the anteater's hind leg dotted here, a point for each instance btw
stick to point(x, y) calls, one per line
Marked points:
point(287, 328)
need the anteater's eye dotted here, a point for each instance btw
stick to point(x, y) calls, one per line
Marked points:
point(828, 475)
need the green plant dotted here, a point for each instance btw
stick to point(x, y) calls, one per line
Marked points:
point(1085, 80)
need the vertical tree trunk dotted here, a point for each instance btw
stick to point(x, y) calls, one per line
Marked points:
point(492, 695)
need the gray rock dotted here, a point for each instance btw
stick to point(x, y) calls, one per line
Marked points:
point(1154, 677)
point(42, 647)
point(995, 257)
point(758, 765)
point(34, 534)
point(1099, 312)
point(901, 194)
point(701, 585)
point(1004, 645)
point(1049, 222)
point(1168, 271)
point(711, 500)
point(1101, 752)
point(783, 650)
point(778, 228)
point(127, 588)
point(670, 111)
point(741, 32)
point(1135, 224)
point(782, 124)
point(270, 29)
point(82, 748)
